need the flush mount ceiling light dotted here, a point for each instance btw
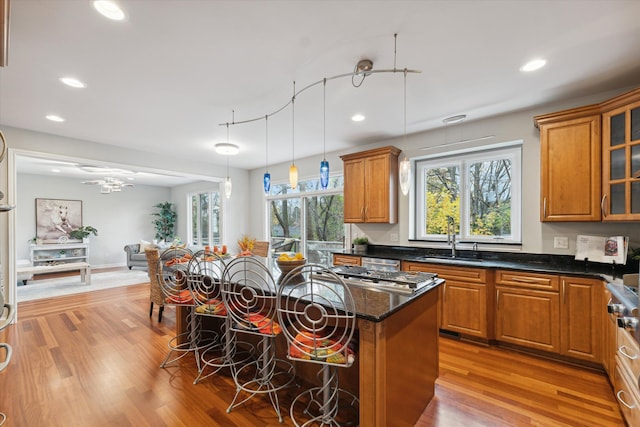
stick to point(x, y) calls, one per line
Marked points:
point(109, 184)
point(533, 65)
point(72, 82)
point(54, 118)
point(109, 9)
point(227, 149)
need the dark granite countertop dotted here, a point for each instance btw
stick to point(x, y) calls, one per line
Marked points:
point(374, 304)
point(540, 263)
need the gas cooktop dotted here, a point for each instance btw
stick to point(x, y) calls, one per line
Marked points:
point(401, 281)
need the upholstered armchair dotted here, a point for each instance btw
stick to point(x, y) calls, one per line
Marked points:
point(134, 257)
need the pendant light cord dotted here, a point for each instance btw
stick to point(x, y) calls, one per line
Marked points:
point(266, 157)
point(405, 107)
point(293, 125)
point(324, 120)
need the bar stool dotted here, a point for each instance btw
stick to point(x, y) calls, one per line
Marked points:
point(249, 294)
point(173, 274)
point(8, 311)
point(206, 270)
point(322, 320)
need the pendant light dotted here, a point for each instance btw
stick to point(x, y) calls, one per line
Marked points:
point(293, 169)
point(266, 180)
point(227, 182)
point(324, 164)
point(405, 164)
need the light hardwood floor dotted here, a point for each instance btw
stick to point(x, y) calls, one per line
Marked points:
point(93, 360)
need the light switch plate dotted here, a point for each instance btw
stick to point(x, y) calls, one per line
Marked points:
point(394, 237)
point(561, 242)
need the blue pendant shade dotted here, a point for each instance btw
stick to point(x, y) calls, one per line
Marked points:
point(267, 182)
point(324, 174)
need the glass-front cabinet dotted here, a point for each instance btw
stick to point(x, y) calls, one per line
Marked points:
point(621, 160)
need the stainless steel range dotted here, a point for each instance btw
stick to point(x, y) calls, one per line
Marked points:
point(395, 281)
point(624, 304)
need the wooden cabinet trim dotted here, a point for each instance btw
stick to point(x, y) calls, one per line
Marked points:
point(571, 114)
point(465, 274)
point(346, 259)
point(521, 279)
point(394, 151)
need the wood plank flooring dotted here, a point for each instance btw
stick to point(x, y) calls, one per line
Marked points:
point(93, 360)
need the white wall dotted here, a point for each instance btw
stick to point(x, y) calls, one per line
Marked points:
point(537, 237)
point(121, 218)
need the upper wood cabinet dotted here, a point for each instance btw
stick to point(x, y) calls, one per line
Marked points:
point(570, 165)
point(371, 186)
point(621, 157)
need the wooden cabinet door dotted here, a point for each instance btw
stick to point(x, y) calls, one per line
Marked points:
point(464, 308)
point(528, 317)
point(581, 313)
point(354, 191)
point(376, 172)
point(370, 186)
point(570, 169)
point(610, 339)
point(621, 158)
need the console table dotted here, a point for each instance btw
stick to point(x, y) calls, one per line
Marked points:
point(57, 254)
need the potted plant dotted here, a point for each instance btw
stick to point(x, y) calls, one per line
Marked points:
point(360, 244)
point(83, 232)
point(165, 221)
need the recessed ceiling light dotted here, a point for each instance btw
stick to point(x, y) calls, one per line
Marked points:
point(534, 65)
point(109, 9)
point(357, 117)
point(55, 170)
point(227, 149)
point(72, 82)
point(54, 118)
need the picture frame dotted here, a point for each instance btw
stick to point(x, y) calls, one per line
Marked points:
point(55, 218)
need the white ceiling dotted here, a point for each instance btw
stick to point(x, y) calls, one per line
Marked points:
point(166, 77)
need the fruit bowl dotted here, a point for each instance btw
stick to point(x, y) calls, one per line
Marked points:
point(286, 266)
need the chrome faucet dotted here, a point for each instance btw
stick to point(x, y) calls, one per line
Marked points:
point(451, 235)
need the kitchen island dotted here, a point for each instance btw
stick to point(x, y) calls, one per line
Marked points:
point(397, 365)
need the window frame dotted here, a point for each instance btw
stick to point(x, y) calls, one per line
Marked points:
point(210, 236)
point(303, 196)
point(463, 158)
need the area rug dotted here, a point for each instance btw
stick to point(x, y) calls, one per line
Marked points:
point(38, 289)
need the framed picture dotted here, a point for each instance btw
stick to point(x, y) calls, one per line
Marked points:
point(55, 218)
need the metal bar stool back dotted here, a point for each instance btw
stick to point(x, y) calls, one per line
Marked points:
point(249, 293)
point(319, 310)
point(206, 270)
point(173, 275)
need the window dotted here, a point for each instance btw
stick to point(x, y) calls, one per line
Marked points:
point(479, 190)
point(204, 227)
point(307, 219)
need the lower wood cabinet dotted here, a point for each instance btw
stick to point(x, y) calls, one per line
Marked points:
point(339, 259)
point(464, 306)
point(557, 314)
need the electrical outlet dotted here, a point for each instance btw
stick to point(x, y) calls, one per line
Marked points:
point(394, 237)
point(561, 242)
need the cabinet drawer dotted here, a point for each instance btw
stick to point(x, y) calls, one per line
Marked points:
point(628, 352)
point(628, 399)
point(462, 274)
point(346, 260)
point(521, 279)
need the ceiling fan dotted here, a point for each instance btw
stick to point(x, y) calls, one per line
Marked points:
point(109, 184)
